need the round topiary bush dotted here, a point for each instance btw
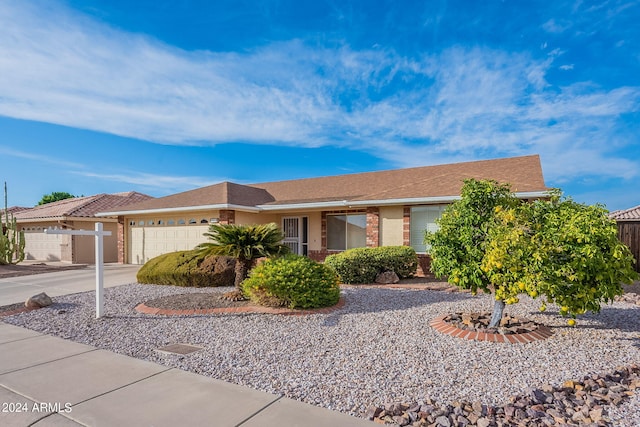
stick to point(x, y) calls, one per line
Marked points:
point(292, 281)
point(188, 268)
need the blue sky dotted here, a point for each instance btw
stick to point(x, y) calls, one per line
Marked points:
point(164, 96)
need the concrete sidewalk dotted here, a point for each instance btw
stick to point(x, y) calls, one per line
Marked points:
point(49, 381)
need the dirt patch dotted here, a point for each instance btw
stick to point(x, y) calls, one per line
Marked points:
point(13, 270)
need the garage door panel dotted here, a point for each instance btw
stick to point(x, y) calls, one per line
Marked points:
point(148, 242)
point(41, 246)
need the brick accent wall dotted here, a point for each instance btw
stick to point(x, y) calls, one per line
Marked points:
point(406, 226)
point(321, 255)
point(373, 227)
point(121, 252)
point(227, 216)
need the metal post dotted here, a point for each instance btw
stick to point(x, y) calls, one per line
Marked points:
point(99, 271)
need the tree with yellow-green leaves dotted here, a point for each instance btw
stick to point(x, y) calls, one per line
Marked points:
point(555, 249)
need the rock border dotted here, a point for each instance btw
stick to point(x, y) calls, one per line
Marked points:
point(143, 308)
point(440, 325)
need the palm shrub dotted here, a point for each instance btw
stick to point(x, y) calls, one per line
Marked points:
point(294, 281)
point(245, 243)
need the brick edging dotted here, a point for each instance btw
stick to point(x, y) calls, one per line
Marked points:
point(541, 333)
point(17, 311)
point(143, 308)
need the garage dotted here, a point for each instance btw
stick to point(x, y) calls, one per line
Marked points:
point(150, 240)
point(41, 246)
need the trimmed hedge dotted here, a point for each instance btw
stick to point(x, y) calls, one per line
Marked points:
point(292, 281)
point(362, 265)
point(188, 268)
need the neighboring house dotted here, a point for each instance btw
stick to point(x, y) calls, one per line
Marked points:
point(77, 214)
point(629, 230)
point(8, 213)
point(319, 216)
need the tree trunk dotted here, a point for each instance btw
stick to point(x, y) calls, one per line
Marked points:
point(241, 270)
point(496, 316)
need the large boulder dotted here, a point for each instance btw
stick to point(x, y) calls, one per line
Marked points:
point(387, 277)
point(38, 301)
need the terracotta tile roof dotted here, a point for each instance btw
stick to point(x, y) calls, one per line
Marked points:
point(81, 206)
point(631, 214)
point(524, 173)
point(13, 210)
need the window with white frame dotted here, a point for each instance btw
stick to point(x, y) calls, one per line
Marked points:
point(346, 231)
point(423, 218)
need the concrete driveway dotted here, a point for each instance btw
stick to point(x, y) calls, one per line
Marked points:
point(18, 289)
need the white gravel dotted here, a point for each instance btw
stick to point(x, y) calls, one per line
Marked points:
point(378, 349)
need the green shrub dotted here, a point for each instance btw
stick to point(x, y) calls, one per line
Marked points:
point(188, 268)
point(362, 265)
point(293, 281)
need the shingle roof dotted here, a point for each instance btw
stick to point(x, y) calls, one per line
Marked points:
point(81, 206)
point(631, 214)
point(523, 173)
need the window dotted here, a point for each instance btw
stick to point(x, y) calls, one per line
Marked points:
point(204, 221)
point(150, 222)
point(346, 231)
point(193, 221)
point(141, 223)
point(181, 222)
point(423, 218)
point(160, 222)
point(171, 222)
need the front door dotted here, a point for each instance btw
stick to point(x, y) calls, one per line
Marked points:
point(295, 234)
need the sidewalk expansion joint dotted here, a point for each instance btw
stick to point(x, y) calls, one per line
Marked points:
point(257, 412)
point(122, 386)
point(48, 361)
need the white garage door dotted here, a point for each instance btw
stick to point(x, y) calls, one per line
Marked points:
point(148, 242)
point(41, 246)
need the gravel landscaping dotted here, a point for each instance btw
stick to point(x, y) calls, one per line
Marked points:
point(377, 349)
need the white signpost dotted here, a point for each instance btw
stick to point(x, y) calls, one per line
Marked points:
point(99, 237)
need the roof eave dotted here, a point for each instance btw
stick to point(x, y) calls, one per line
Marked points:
point(63, 218)
point(387, 202)
point(242, 208)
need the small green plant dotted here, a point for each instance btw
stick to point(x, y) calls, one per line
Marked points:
point(188, 268)
point(362, 265)
point(12, 241)
point(292, 281)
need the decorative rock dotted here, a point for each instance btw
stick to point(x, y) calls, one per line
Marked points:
point(387, 277)
point(573, 403)
point(38, 301)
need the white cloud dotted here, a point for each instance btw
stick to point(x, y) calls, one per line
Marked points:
point(163, 183)
point(6, 151)
point(461, 103)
